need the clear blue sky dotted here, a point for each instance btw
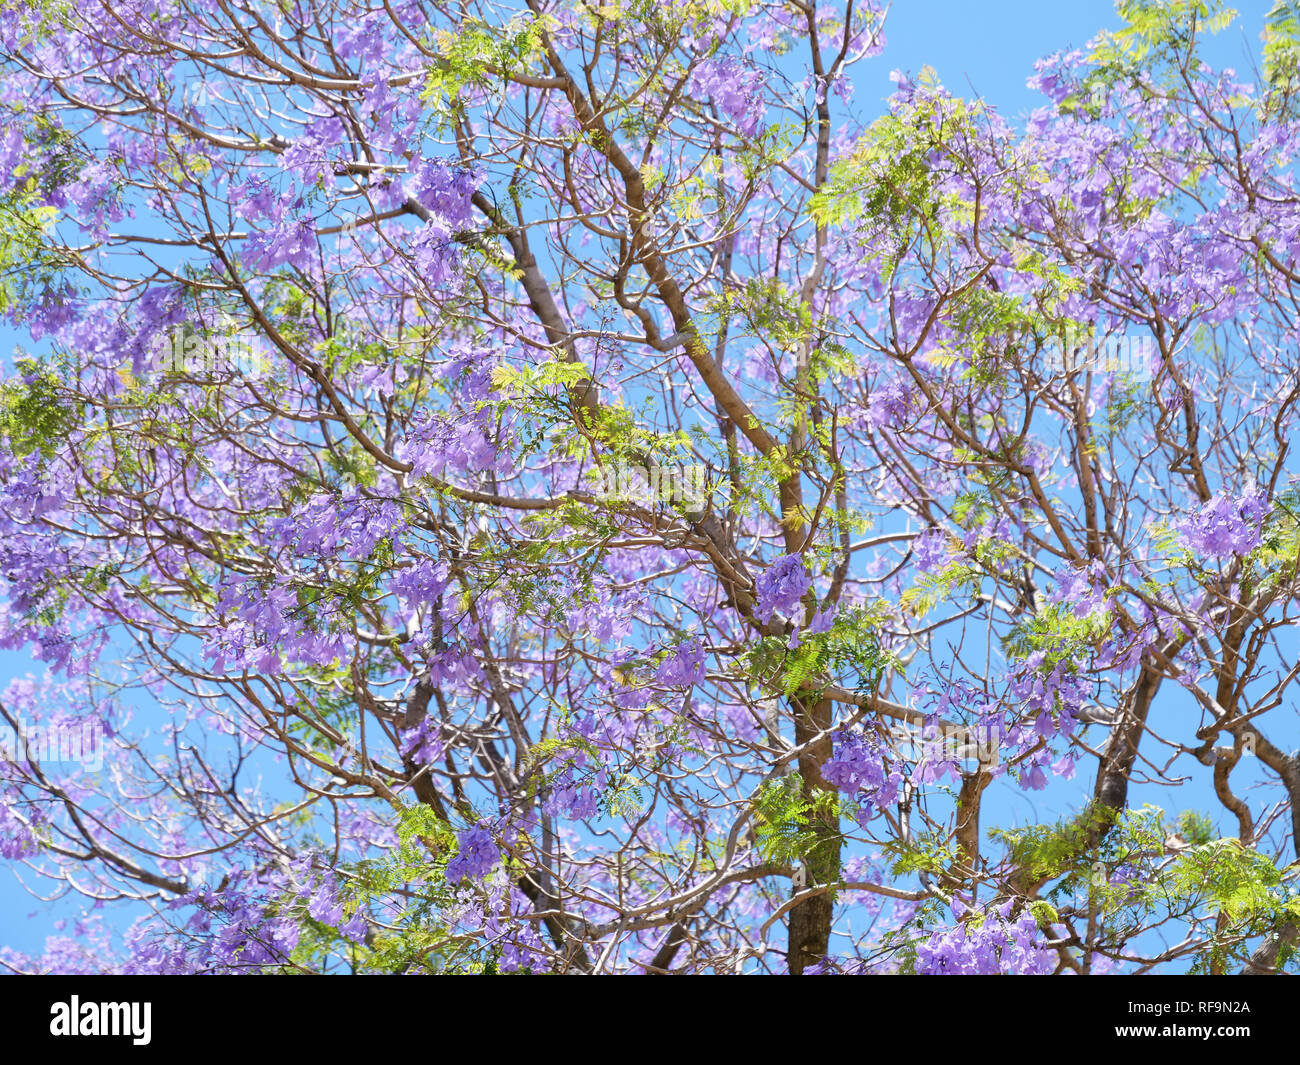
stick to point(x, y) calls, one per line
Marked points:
point(986, 48)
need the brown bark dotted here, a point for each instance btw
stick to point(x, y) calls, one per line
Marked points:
point(810, 920)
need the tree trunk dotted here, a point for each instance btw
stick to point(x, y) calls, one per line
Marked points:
point(810, 920)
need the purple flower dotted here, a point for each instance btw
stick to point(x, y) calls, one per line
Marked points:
point(435, 251)
point(325, 906)
point(306, 157)
point(16, 839)
point(822, 621)
point(571, 797)
point(475, 856)
point(1084, 589)
point(355, 928)
point(781, 586)
point(421, 584)
point(291, 241)
point(931, 550)
point(438, 442)
point(445, 190)
point(857, 766)
point(891, 404)
point(1226, 525)
point(684, 665)
point(735, 89)
point(997, 946)
point(423, 744)
point(1034, 779)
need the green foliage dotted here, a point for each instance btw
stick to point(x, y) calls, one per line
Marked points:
point(412, 941)
point(1150, 51)
point(26, 258)
point(931, 589)
point(853, 644)
point(1057, 633)
point(889, 188)
point(930, 853)
point(1276, 559)
point(510, 381)
point(1281, 46)
point(1196, 829)
point(1151, 25)
point(1045, 852)
point(888, 183)
point(772, 310)
point(802, 664)
point(553, 747)
point(784, 820)
point(1133, 871)
point(34, 412)
point(479, 54)
point(31, 264)
point(988, 328)
point(1237, 881)
point(622, 798)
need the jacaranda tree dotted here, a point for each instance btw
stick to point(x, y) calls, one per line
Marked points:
point(567, 488)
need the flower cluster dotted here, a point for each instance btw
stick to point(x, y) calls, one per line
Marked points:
point(438, 442)
point(931, 550)
point(858, 766)
point(735, 89)
point(475, 855)
point(683, 665)
point(781, 586)
point(988, 947)
point(1227, 525)
point(1083, 589)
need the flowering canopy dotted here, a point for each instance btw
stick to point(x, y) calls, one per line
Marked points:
point(381, 677)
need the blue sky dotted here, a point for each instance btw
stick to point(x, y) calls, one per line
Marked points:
point(985, 48)
point(989, 48)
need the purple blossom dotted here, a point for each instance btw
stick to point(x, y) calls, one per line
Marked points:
point(307, 155)
point(16, 838)
point(327, 523)
point(781, 586)
point(292, 241)
point(891, 405)
point(931, 550)
point(822, 621)
point(445, 190)
point(355, 927)
point(857, 766)
point(421, 584)
point(1226, 525)
point(423, 744)
point(571, 797)
point(435, 252)
point(255, 199)
point(735, 89)
point(996, 946)
point(684, 665)
point(1084, 589)
point(437, 442)
point(325, 906)
point(475, 855)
